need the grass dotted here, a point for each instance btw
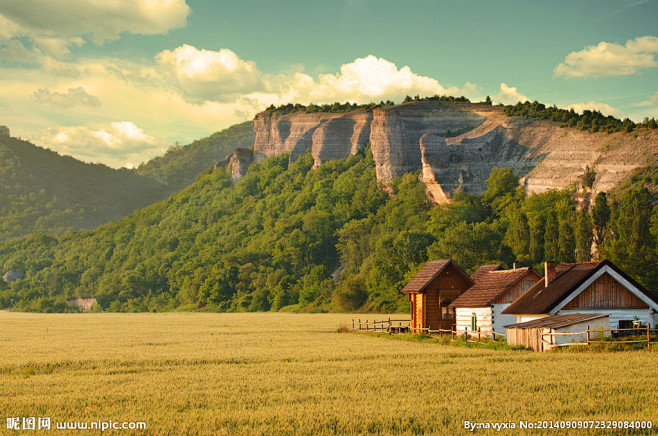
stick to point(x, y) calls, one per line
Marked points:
point(198, 373)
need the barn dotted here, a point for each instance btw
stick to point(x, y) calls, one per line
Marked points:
point(480, 307)
point(589, 287)
point(432, 290)
point(547, 333)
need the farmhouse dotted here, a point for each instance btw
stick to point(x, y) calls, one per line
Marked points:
point(432, 290)
point(547, 333)
point(587, 288)
point(480, 307)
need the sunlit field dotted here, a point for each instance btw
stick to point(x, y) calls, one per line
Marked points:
point(191, 373)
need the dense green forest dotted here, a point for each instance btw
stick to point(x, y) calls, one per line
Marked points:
point(590, 121)
point(272, 241)
point(42, 191)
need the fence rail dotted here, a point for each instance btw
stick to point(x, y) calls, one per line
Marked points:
point(640, 331)
point(404, 325)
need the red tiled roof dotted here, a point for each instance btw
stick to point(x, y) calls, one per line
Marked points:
point(542, 299)
point(428, 273)
point(557, 321)
point(488, 286)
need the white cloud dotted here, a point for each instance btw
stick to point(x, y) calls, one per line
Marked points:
point(365, 80)
point(610, 59)
point(604, 108)
point(123, 142)
point(205, 75)
point(652, 101)
point(74, 97)
point(509, 95)
point(53, 25)
point(183, 94)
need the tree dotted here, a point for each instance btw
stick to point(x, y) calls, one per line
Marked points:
point(583, 237)
point(600, 217)
point(566, 242)
point(551, 238)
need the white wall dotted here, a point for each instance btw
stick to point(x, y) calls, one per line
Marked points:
point(499, 320)
point(463, 318)
point(524, 318)
point(644, 315)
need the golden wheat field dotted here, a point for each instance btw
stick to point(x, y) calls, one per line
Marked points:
point(192, 373)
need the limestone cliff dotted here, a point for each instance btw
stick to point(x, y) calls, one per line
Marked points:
point(455, 145)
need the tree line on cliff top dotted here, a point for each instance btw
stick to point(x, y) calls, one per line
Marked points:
point(590, 120)
point(325, 239)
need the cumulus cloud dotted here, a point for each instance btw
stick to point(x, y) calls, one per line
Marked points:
point(120, 144)
point(604, 108)
point(74, 97)
point(206, 75)
point(54, 25)
point(509, 95)
point(610, 59)
point(364, 80)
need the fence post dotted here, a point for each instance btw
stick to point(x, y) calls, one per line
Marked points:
point(367, 326)
point(352, 323)
point(648, 337)
point(588, 336)
point(478, 334)
point(359, 324)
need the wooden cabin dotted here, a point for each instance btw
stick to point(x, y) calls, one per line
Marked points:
point(590, 287)
point(480, 307)
point(432, 290)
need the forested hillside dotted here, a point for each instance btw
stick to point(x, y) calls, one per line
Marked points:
point(273, 240)
point(179, 166)
point(41, 191)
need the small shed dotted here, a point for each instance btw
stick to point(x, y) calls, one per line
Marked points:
point(547, 333)
point(432, 290)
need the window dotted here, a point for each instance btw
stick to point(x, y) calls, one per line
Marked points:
point(474, 322)
point(445, 313)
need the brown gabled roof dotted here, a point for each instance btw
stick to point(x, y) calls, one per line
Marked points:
point(484, 269)
point(488, 286)
point(557, 321)
point(428, 273)
point(569, 276)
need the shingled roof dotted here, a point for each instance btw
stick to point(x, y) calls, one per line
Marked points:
point(569, 276)
point(557, 321)
point(485, 269)
point(428, 273)
point(488, 286)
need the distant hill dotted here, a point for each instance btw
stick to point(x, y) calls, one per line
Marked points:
point(42, 191)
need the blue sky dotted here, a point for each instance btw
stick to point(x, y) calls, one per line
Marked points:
point(118, 82)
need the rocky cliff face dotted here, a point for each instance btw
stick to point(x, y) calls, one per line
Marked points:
point(455, 145)
point(329, 136)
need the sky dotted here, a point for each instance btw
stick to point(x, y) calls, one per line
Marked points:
point(120, 81)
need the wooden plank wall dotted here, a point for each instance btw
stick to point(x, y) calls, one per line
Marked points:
point(447, 286)
point(518, 289)
point(606, 292)
point(483, 314)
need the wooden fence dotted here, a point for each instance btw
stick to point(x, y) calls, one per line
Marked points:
point(589, 332)
point(404, 325)
point(389, 326)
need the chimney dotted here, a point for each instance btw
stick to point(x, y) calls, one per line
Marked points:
point(514, 266)
point(549, 272)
